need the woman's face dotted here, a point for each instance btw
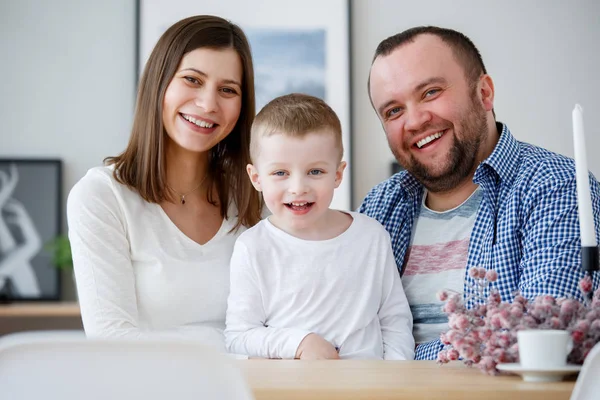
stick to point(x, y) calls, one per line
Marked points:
point(203, 100)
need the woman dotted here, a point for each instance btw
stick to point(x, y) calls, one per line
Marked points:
point(152, 232)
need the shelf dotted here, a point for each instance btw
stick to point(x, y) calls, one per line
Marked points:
point(40, 310)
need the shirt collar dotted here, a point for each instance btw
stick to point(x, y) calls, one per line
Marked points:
point(504, 159)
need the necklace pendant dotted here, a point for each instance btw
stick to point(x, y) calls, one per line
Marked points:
point(182, 199)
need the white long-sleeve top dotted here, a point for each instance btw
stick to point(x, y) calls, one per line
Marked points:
point(137, 274)
point(346, 289)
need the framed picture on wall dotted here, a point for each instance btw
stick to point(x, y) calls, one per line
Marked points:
point(30, 216)
point(296, 47)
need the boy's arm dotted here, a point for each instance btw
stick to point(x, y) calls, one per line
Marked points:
point(246, 331)
point(395, 317)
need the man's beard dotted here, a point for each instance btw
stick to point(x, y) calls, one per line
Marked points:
point(462, 157)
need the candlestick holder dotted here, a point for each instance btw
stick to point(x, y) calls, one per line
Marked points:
point(590, 260)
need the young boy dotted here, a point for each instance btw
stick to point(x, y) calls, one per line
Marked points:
point(310, 282)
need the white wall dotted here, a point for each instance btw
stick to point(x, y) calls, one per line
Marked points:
point(68, 71)
point(542, 54)
point(67, 82)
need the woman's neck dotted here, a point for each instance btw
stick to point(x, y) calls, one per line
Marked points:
point(185, 169)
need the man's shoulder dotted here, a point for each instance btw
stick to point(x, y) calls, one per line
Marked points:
point(384, 196)
point(542, 167)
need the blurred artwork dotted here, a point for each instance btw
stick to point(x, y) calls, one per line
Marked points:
point(29, 216)
point(287, 61)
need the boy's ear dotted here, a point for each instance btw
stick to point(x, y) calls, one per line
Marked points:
point(339, 173)
point(253, 175)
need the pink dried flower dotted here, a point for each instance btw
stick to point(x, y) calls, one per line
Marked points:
point(520, 300)
point(443, 295)
point(548, 300)
point(442, 357)
point(462, 322)
point(486, 334)
point(555, 323)
point(516, 311)
point(582, 326)
point(491, 276)
point(452, 355)
point(494, 298)
point(569, 306)
point(577, 336)
point(586, 284)
point(487, 365)
point(482, 273)
point(449, 307)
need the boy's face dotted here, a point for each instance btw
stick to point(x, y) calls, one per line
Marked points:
point(297, 177)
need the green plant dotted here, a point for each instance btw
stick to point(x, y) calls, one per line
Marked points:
point(60, 249)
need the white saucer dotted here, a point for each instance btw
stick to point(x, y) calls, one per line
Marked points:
point(539, 374)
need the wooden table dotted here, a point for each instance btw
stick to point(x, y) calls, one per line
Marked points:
point(58, 309)
point(23, 316)
point(354, 379)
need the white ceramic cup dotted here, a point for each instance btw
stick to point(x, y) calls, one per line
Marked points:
point(544, 349)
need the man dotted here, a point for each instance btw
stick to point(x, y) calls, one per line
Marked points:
point(471, 195)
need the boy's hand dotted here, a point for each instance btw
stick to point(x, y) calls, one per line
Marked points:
point(314, 347)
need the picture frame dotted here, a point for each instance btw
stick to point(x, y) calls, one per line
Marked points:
point(297, 47)
point(30, 217)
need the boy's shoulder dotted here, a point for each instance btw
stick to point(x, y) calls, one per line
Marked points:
point(369, 226)
point(256, 232)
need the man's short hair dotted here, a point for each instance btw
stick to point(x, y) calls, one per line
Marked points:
point(295, 115)
point(463, 48)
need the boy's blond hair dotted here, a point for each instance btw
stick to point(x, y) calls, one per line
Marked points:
point(295, 115)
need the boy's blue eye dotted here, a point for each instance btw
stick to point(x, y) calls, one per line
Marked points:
point(279, 173)
point(315, 172)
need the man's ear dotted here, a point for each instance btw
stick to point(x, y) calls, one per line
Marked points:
point(339, 173)
point(253, 175)
point(487, 92)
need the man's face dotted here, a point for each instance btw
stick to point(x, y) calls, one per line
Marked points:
point(433, 117)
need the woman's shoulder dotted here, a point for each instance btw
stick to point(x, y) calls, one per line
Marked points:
point(98, 187)
point(98, 181)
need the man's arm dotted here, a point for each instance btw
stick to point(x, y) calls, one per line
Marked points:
point(551, 245)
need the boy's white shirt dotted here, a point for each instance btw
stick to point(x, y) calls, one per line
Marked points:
point(346, 289)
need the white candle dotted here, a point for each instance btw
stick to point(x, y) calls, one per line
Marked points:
point(584, 200)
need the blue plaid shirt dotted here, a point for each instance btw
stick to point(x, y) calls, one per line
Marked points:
point(527, 226)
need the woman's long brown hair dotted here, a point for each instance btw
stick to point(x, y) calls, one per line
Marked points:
point(142, 166)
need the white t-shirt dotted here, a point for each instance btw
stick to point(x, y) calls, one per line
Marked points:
point(137, 274)
point(346, 289)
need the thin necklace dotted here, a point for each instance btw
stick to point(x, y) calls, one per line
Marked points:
point(182, 196)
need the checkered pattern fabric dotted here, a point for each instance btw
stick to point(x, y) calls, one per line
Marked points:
point(527, 226)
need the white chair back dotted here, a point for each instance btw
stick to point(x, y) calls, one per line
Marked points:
point(68, 367)
point(587, 386)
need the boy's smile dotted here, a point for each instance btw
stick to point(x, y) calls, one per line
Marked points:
point(297, 177)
